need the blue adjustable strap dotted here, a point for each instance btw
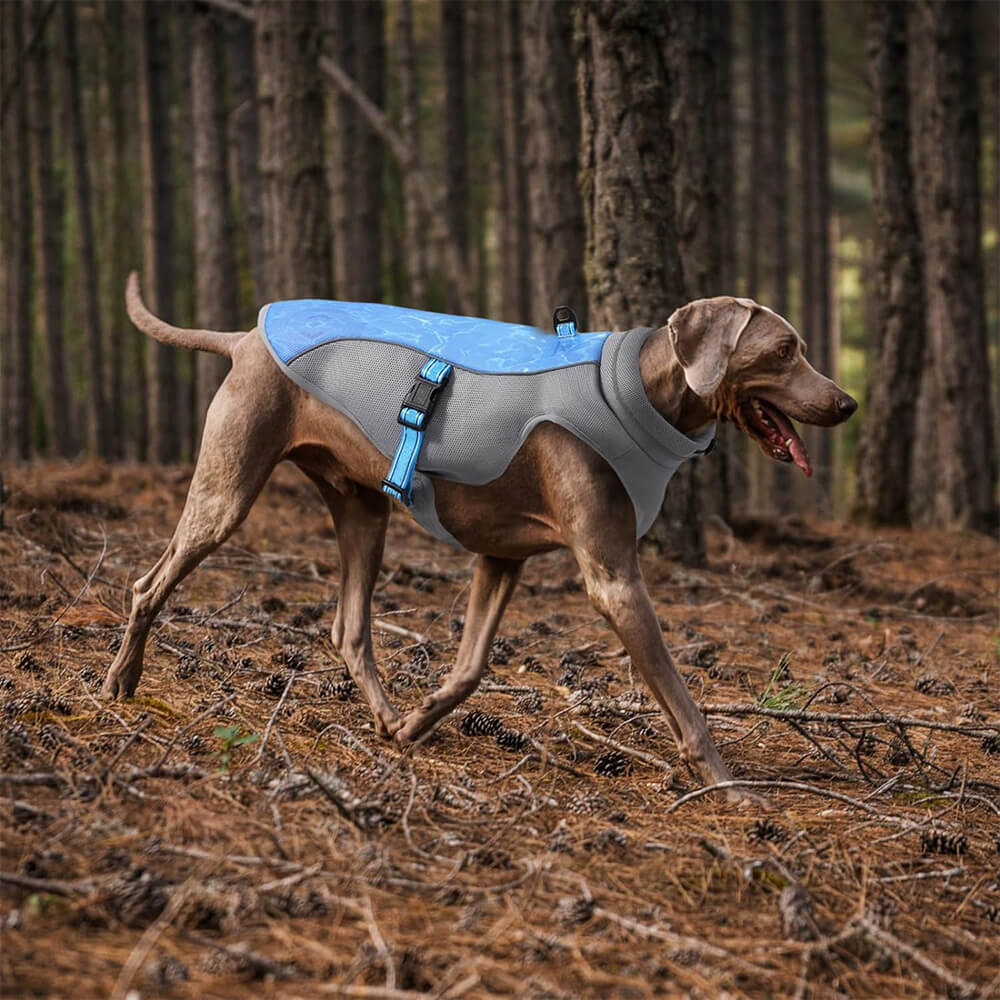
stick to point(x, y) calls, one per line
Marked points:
point(414, 416)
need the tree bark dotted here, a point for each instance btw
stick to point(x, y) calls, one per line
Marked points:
point(456, 158)
point(516, 264)
point(17, 249)
point(414, 223)
point(126, 385)
point(291, 100)
point(758, 194)
point(244, 125)
point(634, 274)
point(48, 202)
point(98, 436)
point(692, 54)
point(215, 263)
point(947, 165)
point(815, 260)
point(370, 17)
point(164, 440)
point(895, 355)
point(552, 157)
point(345, 127)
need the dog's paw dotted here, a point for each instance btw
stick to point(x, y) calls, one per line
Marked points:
point(118, 688)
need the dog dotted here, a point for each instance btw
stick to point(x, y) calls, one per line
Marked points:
point(720, 358)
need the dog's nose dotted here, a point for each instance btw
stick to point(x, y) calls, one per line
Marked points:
point(847, 405)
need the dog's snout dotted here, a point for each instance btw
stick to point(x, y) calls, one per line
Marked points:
point(846, 405)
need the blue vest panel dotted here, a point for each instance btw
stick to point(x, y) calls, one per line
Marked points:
point(479, 345)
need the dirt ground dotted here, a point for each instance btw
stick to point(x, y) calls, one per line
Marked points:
point(237, 829)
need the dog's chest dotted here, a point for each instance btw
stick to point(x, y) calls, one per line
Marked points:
point(362, 358)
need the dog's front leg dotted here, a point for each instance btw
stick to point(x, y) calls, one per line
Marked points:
point(361, 519)
point(616, 588)
point(493, 583)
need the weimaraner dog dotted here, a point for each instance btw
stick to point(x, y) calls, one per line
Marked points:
point(720, 358)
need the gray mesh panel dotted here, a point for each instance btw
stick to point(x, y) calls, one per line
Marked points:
point(482, 420)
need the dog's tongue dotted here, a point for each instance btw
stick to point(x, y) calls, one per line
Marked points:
point(795, 445)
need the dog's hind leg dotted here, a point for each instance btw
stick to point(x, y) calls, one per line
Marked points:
point(493, 582)
point(361, 518)
point(238, 452)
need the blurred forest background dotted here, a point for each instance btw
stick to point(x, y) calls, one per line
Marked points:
point(835, 161)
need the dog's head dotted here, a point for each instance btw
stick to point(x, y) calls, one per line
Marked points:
point(749, 365)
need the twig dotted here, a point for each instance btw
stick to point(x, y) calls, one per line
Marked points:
point(407, 633)
point(274, 715)
point(797, 786)
point(54, 886)
point(800, 715)
point(897, 946)
point(261, 965)
point(380, 945)
point(55, 621)
point(646, 758)
point(145, 944)
point(677, 940)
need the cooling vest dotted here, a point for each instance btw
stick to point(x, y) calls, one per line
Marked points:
point(362, 359)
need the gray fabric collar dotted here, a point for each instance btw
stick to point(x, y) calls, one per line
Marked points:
point(621, 382)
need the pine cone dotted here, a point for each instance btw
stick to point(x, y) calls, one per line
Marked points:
point(613, 764)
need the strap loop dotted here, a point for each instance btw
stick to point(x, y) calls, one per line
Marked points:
point(414, 415)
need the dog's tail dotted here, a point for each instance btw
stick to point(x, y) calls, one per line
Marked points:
point(194, 340)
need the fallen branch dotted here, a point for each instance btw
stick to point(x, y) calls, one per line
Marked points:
point(54, 886)
point(646, 758)
point(795, 786)
point(800, 715)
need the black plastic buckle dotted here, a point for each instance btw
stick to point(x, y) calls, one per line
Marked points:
point(422, 397)
point(564, 316)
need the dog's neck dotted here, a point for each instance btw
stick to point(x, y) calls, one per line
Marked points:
point(667, 389)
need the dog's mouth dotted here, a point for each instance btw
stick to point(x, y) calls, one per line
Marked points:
point(774, 433)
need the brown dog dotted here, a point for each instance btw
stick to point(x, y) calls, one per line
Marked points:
point(722, 358)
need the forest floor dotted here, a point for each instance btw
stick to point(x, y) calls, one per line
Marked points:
point(239, 820)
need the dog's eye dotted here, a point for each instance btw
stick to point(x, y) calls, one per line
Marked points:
point(785, 351)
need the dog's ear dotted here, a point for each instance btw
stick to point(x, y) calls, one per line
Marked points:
point(704, 335)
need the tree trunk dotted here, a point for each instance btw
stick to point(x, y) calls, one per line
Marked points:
point(17, 248)
point(815, 259)
point(757, 208)
point(552, 161)
point(158, 227)
point(691, 55)
point(503, 215)
point(634, 274)
point(947, 166)
point(98, 437)
point(370, 18)
point(291, 99)
point(776, 484)
point(215, 263)
point(724, 474)
point(896, 353)
point(415, 227)
point(48, 208)
point(456, 159)
point(516, 265)
point(244, 145)
point(118, 250)
point(345, 126)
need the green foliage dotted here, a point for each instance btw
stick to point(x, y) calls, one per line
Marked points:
point(789, 696)
point(230, 738)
